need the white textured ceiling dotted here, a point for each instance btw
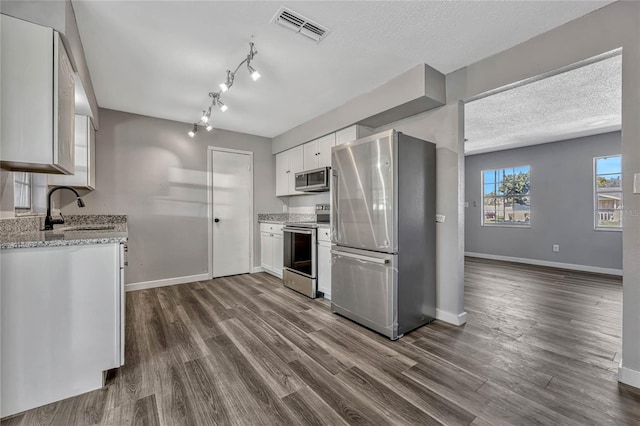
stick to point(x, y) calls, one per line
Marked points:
point(581, 102)
point(161, 58)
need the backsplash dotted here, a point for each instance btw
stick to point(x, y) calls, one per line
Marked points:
point(36, 223)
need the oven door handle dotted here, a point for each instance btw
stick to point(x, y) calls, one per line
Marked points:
point(297, 231)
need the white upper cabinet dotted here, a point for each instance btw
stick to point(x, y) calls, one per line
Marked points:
point(310, 150)
point(311, 155)
point(85, 157)
point(317, 153)
point(288, 163)
point(325, 144)
point(38, 99)
point(352, 133)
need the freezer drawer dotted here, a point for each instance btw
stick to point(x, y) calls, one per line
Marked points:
point(364, 288)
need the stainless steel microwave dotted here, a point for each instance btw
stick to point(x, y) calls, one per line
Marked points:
point(316, 180)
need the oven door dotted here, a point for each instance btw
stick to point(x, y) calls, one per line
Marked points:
point(300, 251)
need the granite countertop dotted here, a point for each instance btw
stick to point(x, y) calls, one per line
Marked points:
point(281, 218)
point(79, 230)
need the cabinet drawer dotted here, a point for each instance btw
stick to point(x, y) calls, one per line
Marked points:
point(324, 234)
point(271, 228)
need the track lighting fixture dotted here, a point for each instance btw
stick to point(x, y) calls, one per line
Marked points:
point(193, 131)
point(224, 87)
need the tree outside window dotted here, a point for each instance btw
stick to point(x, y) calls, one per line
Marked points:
point(507, 196)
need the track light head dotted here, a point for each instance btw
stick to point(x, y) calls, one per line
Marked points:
point(205, 116)
point(209, 127)
point(222, 106)
point(255, 75)
point(193, 131)
point(228, 83)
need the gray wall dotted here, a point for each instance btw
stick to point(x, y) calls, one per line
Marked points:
point(150, 170)
point(572, 42)
point(561, 209)
point(443, 126)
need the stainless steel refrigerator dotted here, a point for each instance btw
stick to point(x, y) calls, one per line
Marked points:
point(383, 232)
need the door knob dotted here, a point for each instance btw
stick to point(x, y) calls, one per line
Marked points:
point(216, 220)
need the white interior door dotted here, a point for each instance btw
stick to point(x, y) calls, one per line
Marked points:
point(232, 186)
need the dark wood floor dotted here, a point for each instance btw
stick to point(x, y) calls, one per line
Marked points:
point(541, 346)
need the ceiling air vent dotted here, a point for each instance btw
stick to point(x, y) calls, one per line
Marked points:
point(298, 23)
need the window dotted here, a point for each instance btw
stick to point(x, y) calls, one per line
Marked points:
point(506, 196)
point(22, 192)
point(608, 192)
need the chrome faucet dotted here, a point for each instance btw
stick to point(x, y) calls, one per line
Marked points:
point(49, 221)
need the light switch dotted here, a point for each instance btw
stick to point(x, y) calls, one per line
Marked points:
point(440, 218)
point(466, 204)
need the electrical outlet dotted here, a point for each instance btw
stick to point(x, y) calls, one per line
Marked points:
point(440, 218)
point(284, 208)
point(556, 248)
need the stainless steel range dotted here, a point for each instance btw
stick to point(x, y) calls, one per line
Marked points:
point(300, 256)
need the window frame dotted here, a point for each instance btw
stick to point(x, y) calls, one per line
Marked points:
point(594, 180)
point(503, 225)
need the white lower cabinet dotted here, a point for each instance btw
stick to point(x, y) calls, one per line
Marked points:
point(271, 247)
point(62, 322)
point(277, 247)
point(324, 262)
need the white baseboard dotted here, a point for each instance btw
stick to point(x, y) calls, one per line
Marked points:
point(165, 282)
point(570, 266)
point(628, 376)
point(451, 318)
point(257, 269)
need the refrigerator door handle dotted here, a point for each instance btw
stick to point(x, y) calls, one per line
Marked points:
point(334, 207)
point(360, 257)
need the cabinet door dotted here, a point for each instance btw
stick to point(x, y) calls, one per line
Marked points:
point(61, 337)
point(278, 253)
point(296, 165)
point(310, 154)
point(91, 167)
point(282, 173)
point(64, 111)
point(83, 157)
point(325, 144)
point(324, 269)
point(266, 251)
